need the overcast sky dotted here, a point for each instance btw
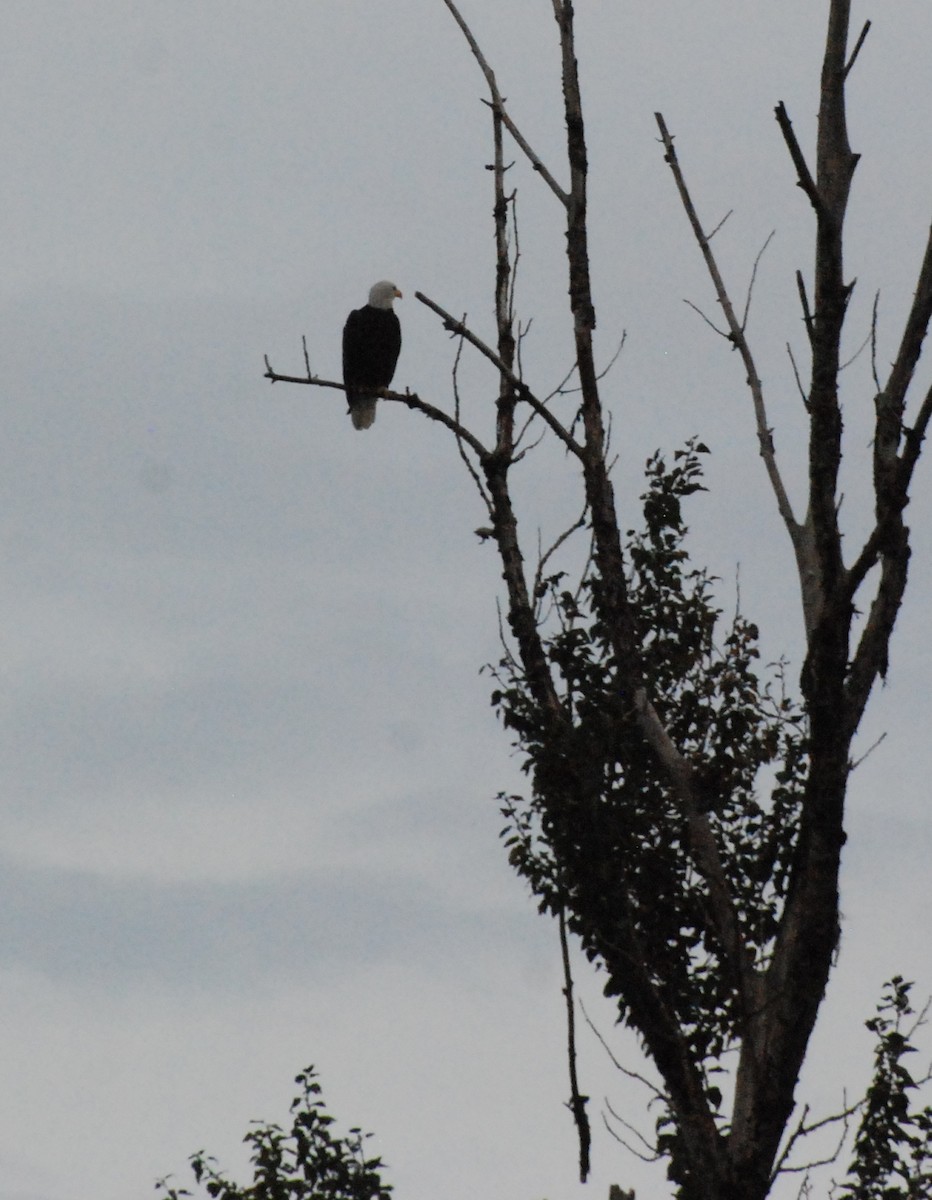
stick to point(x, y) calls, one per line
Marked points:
point(249, 764)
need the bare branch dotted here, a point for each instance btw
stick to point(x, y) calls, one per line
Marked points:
point(467, 461)
point(652, 1088)
point(857, 48)
point(804, 301)
point(857, 354)
point(414, 401)
point(411, 399)
point(868, 752)
point(525, 450)
point(916, 435)
point(747, 303)
point(803, 174)
point(799, 382)
point(871, 657)
point(835, 166)
point(711, 324)
point(504, 293)
point(652, 1155)
point(523, 331)
point(922, 1018)
point(865, 562)
point(737, 337)
point(564, 536)
point(914, 333)
point(499, 104)
point(893, 467)
point(720, 224)
point(803, 1130)
point(561, 389)
point(515, 259)
point(874, 310)
point(309, 378)
point(614, 358)
point(523, 391)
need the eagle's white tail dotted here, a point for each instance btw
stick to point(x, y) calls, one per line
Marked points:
point(362, 411)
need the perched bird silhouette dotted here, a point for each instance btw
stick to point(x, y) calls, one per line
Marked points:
point(371, 345)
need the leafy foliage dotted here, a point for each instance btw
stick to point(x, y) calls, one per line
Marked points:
point(893, 1148)
point(307, 1162)
point(602, 836)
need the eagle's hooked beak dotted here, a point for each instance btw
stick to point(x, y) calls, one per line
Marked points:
point(399, 295)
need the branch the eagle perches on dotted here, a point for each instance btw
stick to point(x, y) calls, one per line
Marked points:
point(458, 328)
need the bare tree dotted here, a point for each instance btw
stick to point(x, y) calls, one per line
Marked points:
point(711, 907)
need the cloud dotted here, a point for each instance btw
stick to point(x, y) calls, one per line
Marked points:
point(84, 929)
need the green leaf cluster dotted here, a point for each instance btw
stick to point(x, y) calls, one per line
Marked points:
point(602, 835)
point(309, 1161)
point(893, 1148)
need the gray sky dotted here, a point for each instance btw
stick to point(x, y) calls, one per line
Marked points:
point(249, 765)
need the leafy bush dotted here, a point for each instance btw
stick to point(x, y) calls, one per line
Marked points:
point(307, 1162)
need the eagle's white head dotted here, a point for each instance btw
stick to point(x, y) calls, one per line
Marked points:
point(382, 294)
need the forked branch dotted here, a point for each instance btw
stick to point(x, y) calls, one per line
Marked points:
point(737, 336)
point(454, 325)
point(499, 105)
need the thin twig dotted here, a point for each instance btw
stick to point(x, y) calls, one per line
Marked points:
point(857, 48)
point(308, 378)
point(525, 450)
point(474, 474)
point(874, 313)
point(544, 558)
point(711, 324)
point(611, 362)
point(799, 382)
point(509, 659)
point(922, 1018)
point(760, 255)
point(720, 224)
point(857, 354)
point(651, 1087)
point(803, 1130)
point(804, 301)
point(516, 256)
point(870, 750)
point(523, 331)
point(652, 1155)
point(561, 389)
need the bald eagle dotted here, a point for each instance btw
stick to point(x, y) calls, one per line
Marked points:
point(371, 344)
